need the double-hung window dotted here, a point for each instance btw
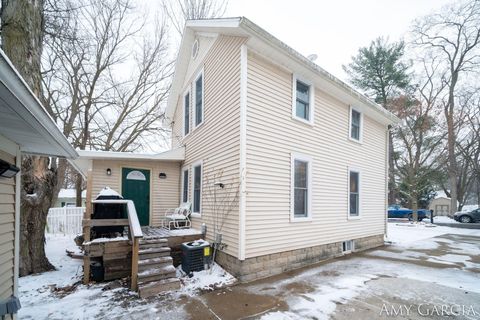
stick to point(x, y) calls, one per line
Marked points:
point(353, 193)
point(197, 187)
point(355, 125)
point(302, 101)
point(199, 104)
point(185, 186)
point(186, 113)
point(301, 187)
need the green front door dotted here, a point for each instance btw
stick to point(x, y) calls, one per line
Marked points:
point(136, 187)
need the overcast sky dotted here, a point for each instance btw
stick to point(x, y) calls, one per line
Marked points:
point(333, 29)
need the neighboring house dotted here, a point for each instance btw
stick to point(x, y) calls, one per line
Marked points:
point(68, 198)
point(25, 128)
point(309, 153)
point(440, 204)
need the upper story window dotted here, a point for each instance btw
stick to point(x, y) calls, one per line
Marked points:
point(303, 101)
point(354, 193)
point(301, 187)
point(199, 97)
point(355, 125)
point(186, 113)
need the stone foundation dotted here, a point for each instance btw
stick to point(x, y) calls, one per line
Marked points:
point(268, 265)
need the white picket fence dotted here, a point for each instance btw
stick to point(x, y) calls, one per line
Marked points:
point(66, 220)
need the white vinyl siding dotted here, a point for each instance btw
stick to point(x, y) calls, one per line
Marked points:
point(272, 135)
point(7, 235)
point(217, 140)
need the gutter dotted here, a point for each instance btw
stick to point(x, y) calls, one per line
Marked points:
point(33, 106)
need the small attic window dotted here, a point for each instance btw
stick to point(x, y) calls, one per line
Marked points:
point(195, 47)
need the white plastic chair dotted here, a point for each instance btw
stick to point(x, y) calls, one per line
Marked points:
point(179, 217)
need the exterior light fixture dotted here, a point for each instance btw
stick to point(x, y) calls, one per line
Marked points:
point(221, 185)
point(109, 172)
point(162, 175)
point(8, 170)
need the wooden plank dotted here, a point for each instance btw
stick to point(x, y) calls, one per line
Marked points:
point(104, 222)
point(135, 249)
point(86, 228)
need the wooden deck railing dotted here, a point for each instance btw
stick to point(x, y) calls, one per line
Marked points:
point(135, 233)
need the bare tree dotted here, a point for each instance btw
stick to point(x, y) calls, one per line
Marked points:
point(106, 76)
point(454, 36)
point(179, 11)
point(419, 137)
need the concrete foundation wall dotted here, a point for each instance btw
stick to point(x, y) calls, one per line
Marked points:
point(272, 264)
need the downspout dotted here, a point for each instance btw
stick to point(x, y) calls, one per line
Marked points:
point(243, 152)
point(387, 156)
point(16, 256)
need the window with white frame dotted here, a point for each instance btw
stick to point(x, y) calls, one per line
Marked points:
point(355, 124)
point(199, 103)
point(347, 246)
point(186, 113)
point(302, 100)
point(354, 193)
point(301, 187)
point(185, 180)
point(197, 187)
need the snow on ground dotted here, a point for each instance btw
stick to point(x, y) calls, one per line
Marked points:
point(341, 281)
point(60, 295)
point(443, 219)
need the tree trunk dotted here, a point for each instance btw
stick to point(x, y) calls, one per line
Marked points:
point(78, 189)
point(22, 37)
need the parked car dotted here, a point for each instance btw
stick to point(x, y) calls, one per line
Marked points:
point(398, 212)
point(467, 216)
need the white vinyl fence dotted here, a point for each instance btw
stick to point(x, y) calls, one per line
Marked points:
point(66, 220)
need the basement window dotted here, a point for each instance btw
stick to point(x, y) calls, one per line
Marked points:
point(348, 246)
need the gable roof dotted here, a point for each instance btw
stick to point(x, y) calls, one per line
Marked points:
point(266, 44)
point(23, 119)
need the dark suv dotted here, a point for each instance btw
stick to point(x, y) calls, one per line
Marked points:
point(468, 216)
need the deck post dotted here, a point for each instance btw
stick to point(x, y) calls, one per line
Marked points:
point(86, 226)
point(135, 249)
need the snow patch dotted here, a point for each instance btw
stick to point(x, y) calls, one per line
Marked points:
point(205, 280)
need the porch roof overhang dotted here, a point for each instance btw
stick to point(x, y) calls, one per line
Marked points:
point(85, 160)
point(23, 119)
point(264, 43)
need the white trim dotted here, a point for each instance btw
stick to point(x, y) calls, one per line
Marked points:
point(16, 248)
point(387, 155)
point(243, 151)
point(353, 169)
point(311, 98)
point(196, 164)
point(188, 91)
point(309, 160)
point(187, 169)
point(360, 140)
point(174, 154)
point(194, 99)
point(352, 246)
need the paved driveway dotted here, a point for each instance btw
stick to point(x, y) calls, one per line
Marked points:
point(428, 279)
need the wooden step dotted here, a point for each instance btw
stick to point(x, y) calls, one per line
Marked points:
point(153, 245)
point(154, 263)
point(154, 253)
point(153, 288)
point(153, 240)
point(155, 274)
